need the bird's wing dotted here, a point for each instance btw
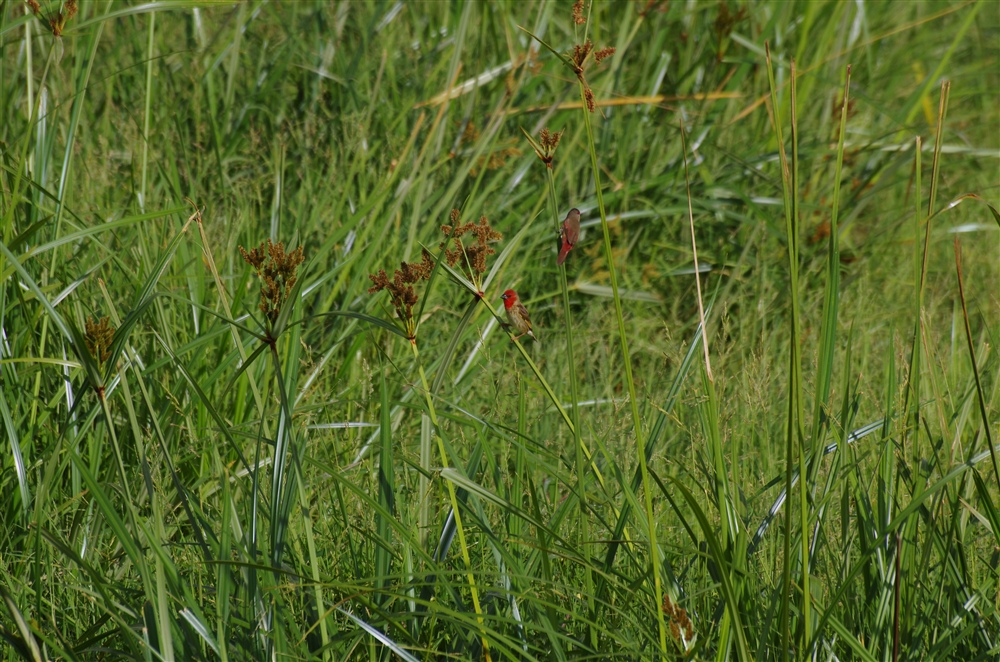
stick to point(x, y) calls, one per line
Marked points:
point(524, 313)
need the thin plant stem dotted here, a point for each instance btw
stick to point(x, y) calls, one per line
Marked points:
point(796, 366)
point(453, 497)
point(793, 426)
point(549, 392)
point(640, 442)
point(148, 111)
point(574, 389)
point(694, 255)
point(975, 368)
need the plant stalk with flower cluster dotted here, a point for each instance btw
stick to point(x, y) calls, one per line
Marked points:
point(278, 273)
point(400, 289)
point(472, 256)
point(404, 297)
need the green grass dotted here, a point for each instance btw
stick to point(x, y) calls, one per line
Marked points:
point(328, 482)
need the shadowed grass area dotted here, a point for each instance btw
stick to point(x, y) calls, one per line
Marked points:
point(227, 436)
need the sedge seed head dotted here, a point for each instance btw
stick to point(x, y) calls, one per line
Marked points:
point(472, 256)
point(98, 336)
point(604, 53)
point(401, 291)
point(277, 272)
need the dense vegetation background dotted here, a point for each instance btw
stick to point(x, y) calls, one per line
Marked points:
point(189, 472)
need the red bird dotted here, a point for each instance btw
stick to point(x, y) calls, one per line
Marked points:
point(517, 315)
point(570, 234)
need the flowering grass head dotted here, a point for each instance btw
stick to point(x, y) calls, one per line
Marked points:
point(401, 291)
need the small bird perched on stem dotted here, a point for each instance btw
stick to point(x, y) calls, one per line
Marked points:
point(517, 315)
point(570, 234)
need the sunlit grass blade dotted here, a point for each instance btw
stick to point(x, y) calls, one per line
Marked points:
point(15, 452)
point(379, 636)
point(667, 408)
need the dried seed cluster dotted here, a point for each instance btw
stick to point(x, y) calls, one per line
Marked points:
point(400, 288)
point(277, 271)
point(603, 54)
point(473, 257)
point(681, 626)
point(98, 336)
point(58, 20)
point(548, 141)
point(580, 53)
point(579, 59)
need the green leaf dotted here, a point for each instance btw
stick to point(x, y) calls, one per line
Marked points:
point(15, 451)
point(386, 494)
point(721, 561)
point(67, 328)
point(379, 636)
point(388, 326)
point(27, 637)
point(99, 228)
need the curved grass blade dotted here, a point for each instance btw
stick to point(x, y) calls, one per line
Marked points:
point(384, 639)
point(388, 326)
point(458, 277)
point(249, 361)
point(68, 329)
point(102, 227)
point(128, 543)
point(449, 352)
point(672, 395)
point(15, 451)
point(144, 297)
point(472, 487)
point(992, 515)
point(719, 556)
point(223, 427)
point(145, 8)
point(27, 637)
point(855, 435)
point(975, 367)
point(200, 628)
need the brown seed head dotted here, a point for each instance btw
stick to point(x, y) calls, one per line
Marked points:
point(604, 53)
point(580, 53)
point(578, 17)
point(681, 626)
point(57, 22)
point(401, 292)
point(98, 336)
point(472, 256)
point(549, 139)
point(277, 272)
